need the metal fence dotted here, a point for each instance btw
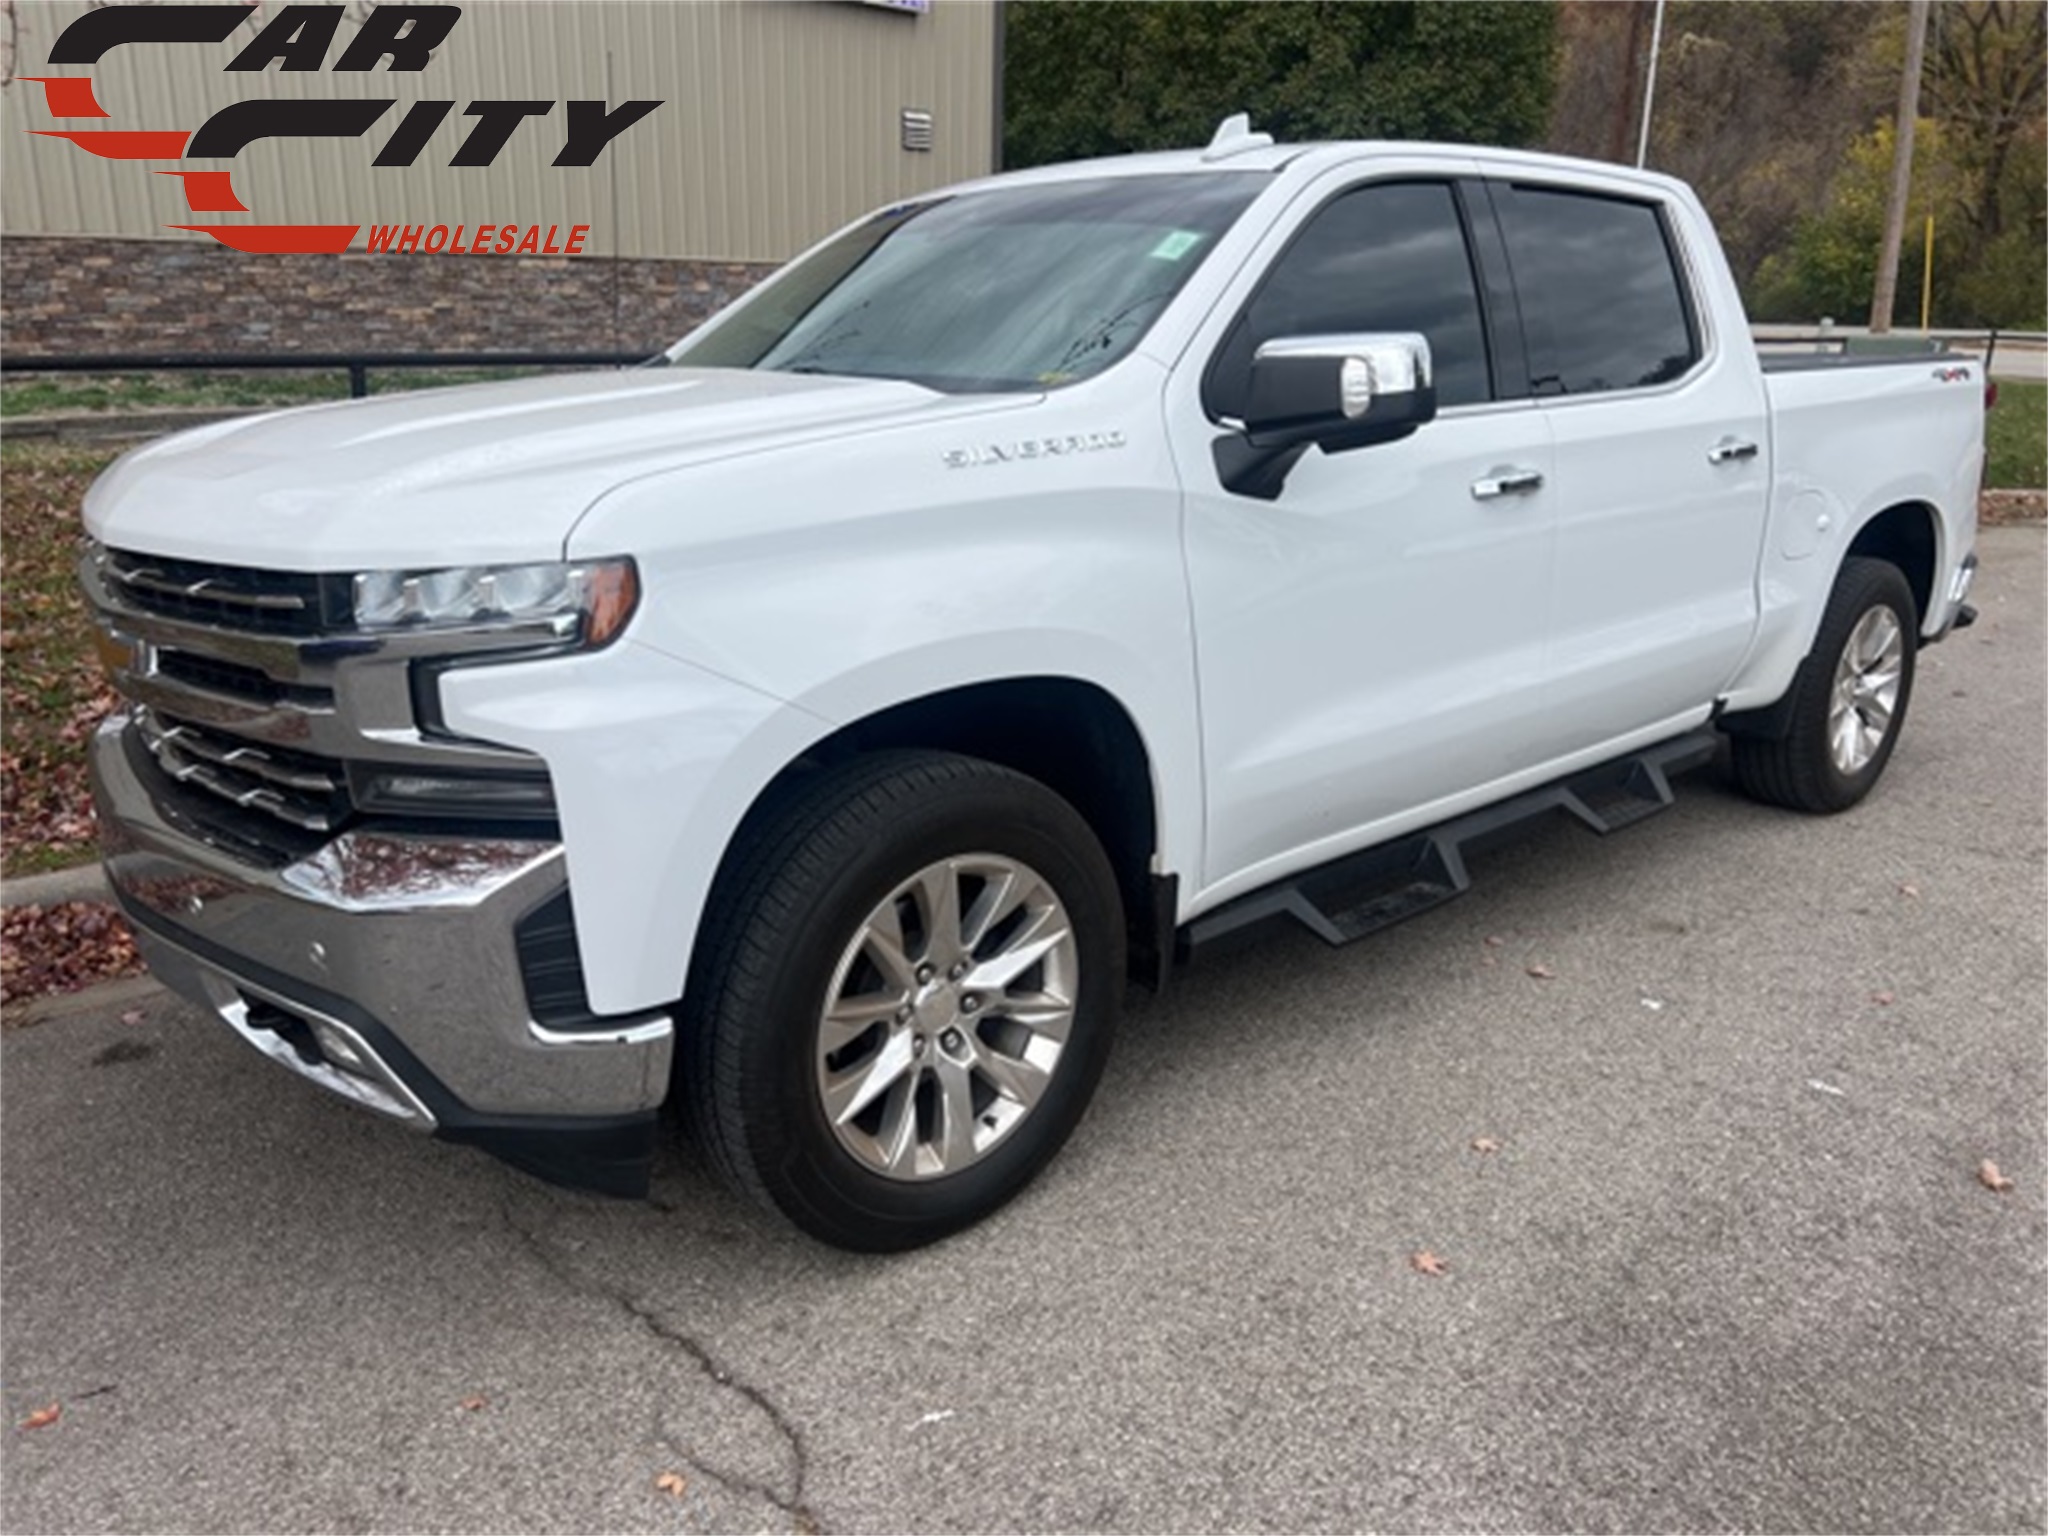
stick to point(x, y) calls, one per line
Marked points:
point(358, 364)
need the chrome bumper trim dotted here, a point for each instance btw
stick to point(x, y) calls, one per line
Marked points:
point(1960, 614)
point(377, 1087)
point(412, 932)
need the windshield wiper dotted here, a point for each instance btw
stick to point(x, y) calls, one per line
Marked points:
point(1099, 335)
point(838, 334)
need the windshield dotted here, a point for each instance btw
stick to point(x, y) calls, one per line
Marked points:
point(1026, 288)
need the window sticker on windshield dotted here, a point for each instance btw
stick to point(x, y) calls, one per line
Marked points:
point(1176, 245)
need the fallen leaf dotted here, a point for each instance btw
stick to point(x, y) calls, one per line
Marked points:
point(472, 1404)
point(1427, 1263)
point(132, 1016)
point(1908, 888)
point(1883, 999)
point(1541, 971)
point(1987, 1175)
point(1494, 940)
point(1484, 1145)
point(55, 1411)
point(673, 1484)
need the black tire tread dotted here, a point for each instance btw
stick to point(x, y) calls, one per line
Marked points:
point(754, 910)
point(1793, 771)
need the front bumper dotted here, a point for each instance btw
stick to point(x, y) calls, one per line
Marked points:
point(383, 967)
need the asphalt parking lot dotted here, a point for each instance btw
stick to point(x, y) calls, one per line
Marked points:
point(1728, 1266)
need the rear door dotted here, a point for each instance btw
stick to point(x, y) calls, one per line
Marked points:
point(1662, 460)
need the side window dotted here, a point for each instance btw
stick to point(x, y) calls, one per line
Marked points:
point(1602, 302)
point(1390, 257)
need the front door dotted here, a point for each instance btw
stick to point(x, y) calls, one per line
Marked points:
point(1370, 643)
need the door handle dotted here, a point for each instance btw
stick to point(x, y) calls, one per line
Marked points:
point(1506, 482)
point(1730, 449)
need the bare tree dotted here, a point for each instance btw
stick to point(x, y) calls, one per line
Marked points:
point(1989, 80)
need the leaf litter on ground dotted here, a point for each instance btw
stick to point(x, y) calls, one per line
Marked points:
point(63, 948)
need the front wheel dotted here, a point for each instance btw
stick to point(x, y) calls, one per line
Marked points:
point(1849, 699)
point(904, 998)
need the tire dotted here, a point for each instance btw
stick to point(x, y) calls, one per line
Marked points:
point(878, 1067)
point(1848, 701)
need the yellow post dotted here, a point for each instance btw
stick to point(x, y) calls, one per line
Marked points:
point(1927, 276)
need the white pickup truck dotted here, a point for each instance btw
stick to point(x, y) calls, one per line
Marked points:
point(821, 728)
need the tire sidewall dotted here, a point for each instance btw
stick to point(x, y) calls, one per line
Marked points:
point(792, 1144)
point(1865, 585)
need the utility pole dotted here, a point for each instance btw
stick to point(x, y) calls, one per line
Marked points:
point(1650, 85)
point(1625, 98)
point(1902, 171)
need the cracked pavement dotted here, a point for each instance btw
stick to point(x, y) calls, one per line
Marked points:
point(1728, 1268)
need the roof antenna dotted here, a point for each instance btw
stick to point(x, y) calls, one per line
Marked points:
point(1234, 136)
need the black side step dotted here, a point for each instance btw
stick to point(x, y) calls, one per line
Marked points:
point(1379, 887)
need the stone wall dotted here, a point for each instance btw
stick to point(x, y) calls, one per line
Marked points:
point(84, 294)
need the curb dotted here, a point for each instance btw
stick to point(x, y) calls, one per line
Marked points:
point(87, 882)
point(119, 992)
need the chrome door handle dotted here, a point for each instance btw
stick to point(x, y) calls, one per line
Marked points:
point(1506, 482)
point(1729, 449)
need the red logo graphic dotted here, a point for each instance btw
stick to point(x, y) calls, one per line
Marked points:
point(297, 40)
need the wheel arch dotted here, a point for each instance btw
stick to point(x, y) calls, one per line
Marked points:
point(1907, 534)
point(1071, 735)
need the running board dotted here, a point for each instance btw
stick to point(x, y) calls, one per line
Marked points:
point(1379, 887)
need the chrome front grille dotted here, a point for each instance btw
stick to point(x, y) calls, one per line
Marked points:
point(296, 787)
point(236, 680)
point(255, 694)
point(230, 596)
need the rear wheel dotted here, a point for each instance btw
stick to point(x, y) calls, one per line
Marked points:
point(904, 999)
point(1849, 699)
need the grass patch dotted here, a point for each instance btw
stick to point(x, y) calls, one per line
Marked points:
point(2016, 438)
point(51, 688)
point(39, 394)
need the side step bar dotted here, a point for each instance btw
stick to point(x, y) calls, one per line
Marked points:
point(1379, 887)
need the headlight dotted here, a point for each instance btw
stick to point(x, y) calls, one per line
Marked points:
point(602, 593)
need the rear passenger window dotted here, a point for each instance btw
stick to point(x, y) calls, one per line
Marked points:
point(1389, 257)
point(1602, 303)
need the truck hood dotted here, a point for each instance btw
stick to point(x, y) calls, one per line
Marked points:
point(484, 473)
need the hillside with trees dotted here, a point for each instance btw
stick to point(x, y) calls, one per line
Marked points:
point(1108, 77)
point(1778, 111)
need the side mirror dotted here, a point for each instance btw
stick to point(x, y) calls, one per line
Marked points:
point(1335, 392)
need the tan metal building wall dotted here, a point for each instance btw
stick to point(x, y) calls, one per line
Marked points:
point(781, 120)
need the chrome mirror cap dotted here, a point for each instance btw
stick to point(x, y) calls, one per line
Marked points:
point(1333, 392)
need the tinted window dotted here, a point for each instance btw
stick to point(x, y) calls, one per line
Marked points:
point(1601, 302)
point(1383, 258)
